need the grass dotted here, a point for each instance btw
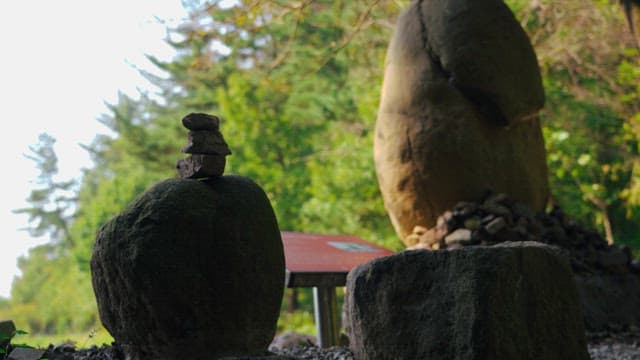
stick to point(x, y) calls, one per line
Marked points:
point(80, 340)
point(300, 321)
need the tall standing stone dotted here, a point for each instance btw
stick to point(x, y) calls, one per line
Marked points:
point(458, 112)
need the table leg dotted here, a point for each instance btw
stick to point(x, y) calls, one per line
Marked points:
point(326, 314)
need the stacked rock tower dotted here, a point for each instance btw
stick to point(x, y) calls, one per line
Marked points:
point(194, 267)
point(206, 147)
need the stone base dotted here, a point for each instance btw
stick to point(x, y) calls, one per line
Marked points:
point(510, 301)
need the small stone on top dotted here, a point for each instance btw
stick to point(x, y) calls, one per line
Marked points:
point(201, 166)
point(201, 121)
point(206, 142)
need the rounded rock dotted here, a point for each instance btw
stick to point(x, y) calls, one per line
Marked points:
point(201, 121)
point(191, 270)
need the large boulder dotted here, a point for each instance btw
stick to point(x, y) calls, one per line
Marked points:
point(191, 270)
point(458, 112)
point(509, 301)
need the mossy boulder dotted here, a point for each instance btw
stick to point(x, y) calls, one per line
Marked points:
point(191, 270)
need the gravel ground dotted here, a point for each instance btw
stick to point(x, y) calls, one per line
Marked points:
point(616, 347)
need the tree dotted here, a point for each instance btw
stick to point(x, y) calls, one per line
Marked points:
point(588, 121)
point(52, 202)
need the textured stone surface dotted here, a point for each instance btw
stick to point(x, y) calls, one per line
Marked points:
point(191, 270)
point(608, 281)
point(458, 112)
point(611, 302)
point(206, 142)
point(510, 301)
point(201, 166)
point(23, 353)
point(200, 121)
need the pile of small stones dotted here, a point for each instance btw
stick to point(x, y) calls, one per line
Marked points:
point(604, 349)
point(206, 147)
point(115, 352)
point(498, 219)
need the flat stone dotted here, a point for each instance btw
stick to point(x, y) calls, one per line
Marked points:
point(7, 330)
point(434, 235)
point(22, 353)
point(459, 236)
point(495, 225)
point(199, 166)
point(206, 142)
point(200, 121)
point(497, 210)
point(505, 302)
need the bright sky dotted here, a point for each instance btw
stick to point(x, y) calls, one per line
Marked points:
point(59, 62)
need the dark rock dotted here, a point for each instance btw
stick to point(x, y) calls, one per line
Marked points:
point(609, 299)
point(501, 198)
point(206, 142)
point(24, 353)
point(201, 166)
point(464, 209)
point(522, 211)
point(191, 270)
point(7, 330)
point(473, 223)
point(488, 218)
point(511, 301)
point(200, 121)
point(64, 347)
point(495, 225)
point(457, 72)
point(614, 258)
point(316, 353)
point(257, 357)
point(498, 210)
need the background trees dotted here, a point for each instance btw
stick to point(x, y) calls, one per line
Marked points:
point(297, 85)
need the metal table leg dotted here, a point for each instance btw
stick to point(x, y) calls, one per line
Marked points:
point(326, 314)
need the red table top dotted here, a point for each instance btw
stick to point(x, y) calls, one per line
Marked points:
point(327, 253)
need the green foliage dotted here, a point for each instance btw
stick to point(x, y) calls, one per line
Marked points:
point(590, 69)
point(299, 321)
point(10, 337)
point(53, 294)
